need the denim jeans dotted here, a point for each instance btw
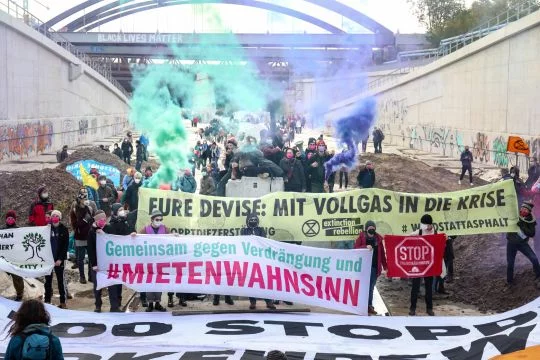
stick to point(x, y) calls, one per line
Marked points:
point(80, 251)
point(511, 252)
point(372, 282)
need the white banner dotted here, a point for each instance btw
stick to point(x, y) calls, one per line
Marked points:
point(243, 266)
point(26, 251)
point(148, 336)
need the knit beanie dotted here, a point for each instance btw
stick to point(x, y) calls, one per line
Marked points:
point(100, 215)
point(527, 205)
point(11, 213)
point(155, 213)
point(56, 213)
point(41, 189)
point(426, 220)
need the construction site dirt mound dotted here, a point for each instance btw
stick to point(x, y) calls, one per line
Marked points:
point(480, 264)
point(19, 191)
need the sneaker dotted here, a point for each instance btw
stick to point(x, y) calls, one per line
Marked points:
point(150, 307)
point(62, 306)
point(371, 311)
point(82, 281)
point(276, 302)
point(182, 303)
point(160, 308)
point(449, 279)
point(430, 312)
point(216, 301)
point(229, 300)
point(252, 306)
point(97, 310)
point(412, 312)
point(170, 303)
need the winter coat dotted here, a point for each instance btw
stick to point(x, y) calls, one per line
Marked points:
point(60, 242)
point(214, 154)
point(293, 173)
point(128, 180)
point(185, 184)
point(527, 230)
point(81, 221)
point(208, 185)
point(366, 178)
point(534, 174)
point(361, 243)
point(118, 152)
point(63, 155)
point(37, 212)
point(466, 158)
point(14, 348)
point(316, 174)
point(127, 148)
point(105, 192)
point(140, 155)
point(92, 252)
point(378, 135)
point(118, 226)
point(131, 197)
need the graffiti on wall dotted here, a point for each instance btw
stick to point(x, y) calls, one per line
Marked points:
point(534, 145)
point(500, 156)
point(393, 111)
point(25, 139)
point(437, 138)
point(481, 147)
point(94, 126)
point(69, 132)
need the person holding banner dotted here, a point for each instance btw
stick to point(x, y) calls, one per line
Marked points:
point(59, 246)
point(295, 180)
point(426, 228)
point(18, 282)
point(155, 227)
point(371, 240)
point(519, 241)
point(100, 220)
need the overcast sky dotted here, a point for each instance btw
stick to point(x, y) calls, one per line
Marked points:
point(394, 14)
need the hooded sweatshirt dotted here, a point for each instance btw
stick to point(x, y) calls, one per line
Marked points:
point(14, 349)
point(527, 230)
point(255, 230)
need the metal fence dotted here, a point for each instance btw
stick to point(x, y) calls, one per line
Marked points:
point(103, 68)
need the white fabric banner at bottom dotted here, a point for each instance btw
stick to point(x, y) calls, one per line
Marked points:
point(243, 266)
point(26, 251)
point(148, 336)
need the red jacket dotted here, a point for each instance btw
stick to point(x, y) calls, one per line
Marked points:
point(361, 243)
point(38, 211)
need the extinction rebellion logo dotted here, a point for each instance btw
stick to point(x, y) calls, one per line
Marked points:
point(311, 228)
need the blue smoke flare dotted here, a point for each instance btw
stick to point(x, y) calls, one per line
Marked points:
point(349, 131)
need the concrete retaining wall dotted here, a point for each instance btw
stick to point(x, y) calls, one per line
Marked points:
point(476, 96)
point(40, 108)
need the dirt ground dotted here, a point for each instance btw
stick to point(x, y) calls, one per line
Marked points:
point(480, 260)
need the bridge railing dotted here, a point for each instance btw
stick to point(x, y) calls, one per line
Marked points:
point(449, 45)
point(104, 69)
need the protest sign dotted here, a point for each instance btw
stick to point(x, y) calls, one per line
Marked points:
point(337, 216)
point(109, 171)
point(414, 256)
point(244, 266)
point(26, 251)
point(312, 336)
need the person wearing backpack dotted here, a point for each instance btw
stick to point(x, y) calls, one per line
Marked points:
point(31, 337)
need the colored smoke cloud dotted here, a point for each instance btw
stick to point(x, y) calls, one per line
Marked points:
point(349, 131)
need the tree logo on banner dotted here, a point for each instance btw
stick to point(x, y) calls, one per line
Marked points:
point(34, 242)
point(311, 228)
point(414, 256)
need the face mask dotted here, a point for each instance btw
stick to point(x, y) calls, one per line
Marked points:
point(44, 195)
point(101, 223)
point(321, 149)
point(424, 227)
point(122, 213)
point(103, 182)
point(157, 224)
point(253, 223)
point(10, 221)
point(523, 213)
point(55, 221)
point(86, 202)
point(204, 173)
point(290, 156)
point(371, 231)
point(137, 181)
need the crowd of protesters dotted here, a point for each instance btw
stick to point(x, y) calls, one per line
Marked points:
point(221, 156)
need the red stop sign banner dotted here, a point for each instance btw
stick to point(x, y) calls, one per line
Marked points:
point(414, 256)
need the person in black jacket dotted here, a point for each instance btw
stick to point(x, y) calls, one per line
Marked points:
point(131, 198)
point(366, 177)
point(100, 220)
point(59, 246)
point(127, 150)
point(294, 175)
point(315, 168)
point(140, 155)
point(253, 228)
point(18, 282)
point(118, 225)
point(519, 241)
point(466, 164)
point(117, 151)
